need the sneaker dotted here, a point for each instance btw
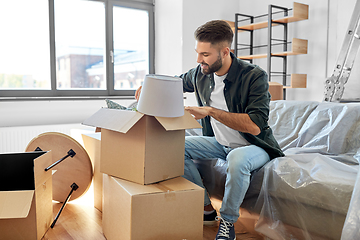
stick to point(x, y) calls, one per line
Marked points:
point(226, 230)
point(210, 219)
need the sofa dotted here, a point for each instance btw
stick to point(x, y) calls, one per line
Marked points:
point(308, 193)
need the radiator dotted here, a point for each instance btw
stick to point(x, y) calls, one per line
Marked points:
point(16, 139)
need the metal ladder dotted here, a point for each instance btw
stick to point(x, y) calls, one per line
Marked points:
point(334, 86)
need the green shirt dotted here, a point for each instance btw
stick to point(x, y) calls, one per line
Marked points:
point(245, 91)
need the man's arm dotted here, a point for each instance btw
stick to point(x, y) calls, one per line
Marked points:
point(237, 121)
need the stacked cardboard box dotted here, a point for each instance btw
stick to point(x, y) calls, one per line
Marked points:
point(25, 195)
point(92, 144)
point(144, 196)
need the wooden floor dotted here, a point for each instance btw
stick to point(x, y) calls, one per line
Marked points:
point(80, 220)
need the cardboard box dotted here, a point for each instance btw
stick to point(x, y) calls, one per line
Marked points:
point(172, 209)
point(92, 144)
point(141, 148)
point(25, 195)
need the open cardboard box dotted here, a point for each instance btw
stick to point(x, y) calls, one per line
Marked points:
point(92, 144)
point(25, 195)
point(141, 148)
point(171, 209)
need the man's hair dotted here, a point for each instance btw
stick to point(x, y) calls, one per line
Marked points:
point(215, 32)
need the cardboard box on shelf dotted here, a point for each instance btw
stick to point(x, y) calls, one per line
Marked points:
point(141, 148)
point(25, 195)
point(171, 209)
point(92, 144)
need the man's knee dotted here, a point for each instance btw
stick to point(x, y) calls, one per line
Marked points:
point(247, 159)
point(238, 161)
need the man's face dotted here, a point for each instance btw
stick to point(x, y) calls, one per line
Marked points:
point(209, 57)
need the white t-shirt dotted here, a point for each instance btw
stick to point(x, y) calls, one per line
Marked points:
point(224, 135)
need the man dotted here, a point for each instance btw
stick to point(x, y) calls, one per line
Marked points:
point(233, 106)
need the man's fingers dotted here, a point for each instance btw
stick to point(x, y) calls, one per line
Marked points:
point(137, 93)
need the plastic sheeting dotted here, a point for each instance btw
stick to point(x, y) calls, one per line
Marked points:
point(305, 196)
point(351, 229)
point(308, 194)
point(309, 127)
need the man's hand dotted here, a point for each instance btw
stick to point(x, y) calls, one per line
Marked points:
point(237, 121)
point(137, 93)
point(198, 112)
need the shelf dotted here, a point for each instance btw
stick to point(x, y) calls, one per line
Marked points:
point(298, 46)
point(297, 81)
point(300, 12)
point(276, 89)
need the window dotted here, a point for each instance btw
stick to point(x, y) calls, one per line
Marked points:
point(131, 54)
point(24, 45)
point(75, 47)
point(80, 44)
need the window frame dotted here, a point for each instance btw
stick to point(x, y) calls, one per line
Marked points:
point(146, 5)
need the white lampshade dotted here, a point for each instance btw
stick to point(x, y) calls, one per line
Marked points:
point(161, 96)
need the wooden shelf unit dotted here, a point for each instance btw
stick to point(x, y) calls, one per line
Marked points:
point(298, 46)
point(300, 12)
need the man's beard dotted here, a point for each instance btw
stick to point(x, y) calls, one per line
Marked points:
point(213, 68)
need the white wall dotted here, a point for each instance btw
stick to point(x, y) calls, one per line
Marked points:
point(31, 113)
point(339, 18)
point(168, 36)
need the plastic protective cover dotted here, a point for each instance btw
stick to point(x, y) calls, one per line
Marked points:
point(351, 229)
point(308, 194)
point(305, 196)
point(327, 128)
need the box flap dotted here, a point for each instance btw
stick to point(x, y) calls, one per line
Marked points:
point(187, 121)
point(135, 188)
point(15, 204)
point(40, 163)
point(178, 184)
point(171, 185)
point(114, 119)
point(96, 135)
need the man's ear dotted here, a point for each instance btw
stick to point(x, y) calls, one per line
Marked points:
point(226, 51)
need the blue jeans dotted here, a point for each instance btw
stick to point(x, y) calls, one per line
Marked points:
point(240, 163)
